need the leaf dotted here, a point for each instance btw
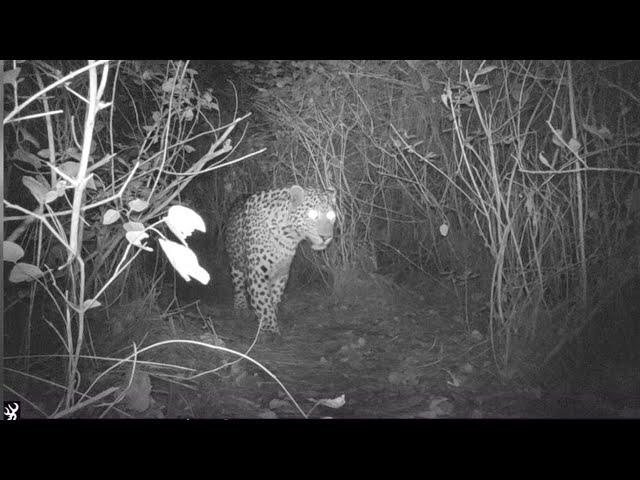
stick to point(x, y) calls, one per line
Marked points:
point(267, 415)
point(337, 402)
point(52, 195)
point(133, 226)
point(91, 184)
point(544, 160)
point(184, 261)
point(138, 205)
point(74, 153)
point(183, 221)
point(37, 189)
point(11, 252)
point(136, 237)
point(603, 132)
point(189, 149)
point(70, 168)
point(28, 137)
point(27, 157)
point(574, 145)
point(89, 304)
point(485, 70)
point(10, 76)
point(480, 88)
point(557, 138)
point(556, 141)
point(110, 216)
point(61, 186)
point(44, 153)
point(444, 229)
point(167, 86)
point(24, 272)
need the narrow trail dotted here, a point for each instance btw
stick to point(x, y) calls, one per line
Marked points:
point(402, 359)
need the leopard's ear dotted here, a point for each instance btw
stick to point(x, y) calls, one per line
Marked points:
point(297, 196)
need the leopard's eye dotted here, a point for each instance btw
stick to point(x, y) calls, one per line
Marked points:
point(331, 215)
point(312, 214)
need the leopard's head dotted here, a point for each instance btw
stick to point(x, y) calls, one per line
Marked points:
point(313, 214)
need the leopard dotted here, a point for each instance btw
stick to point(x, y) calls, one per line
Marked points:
point(263, 232)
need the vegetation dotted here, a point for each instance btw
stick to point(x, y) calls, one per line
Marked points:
point(514, 183)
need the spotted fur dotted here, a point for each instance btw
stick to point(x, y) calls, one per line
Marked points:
point(263, 233)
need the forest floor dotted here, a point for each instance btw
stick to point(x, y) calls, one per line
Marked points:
point(378, 351)
point(385, 354)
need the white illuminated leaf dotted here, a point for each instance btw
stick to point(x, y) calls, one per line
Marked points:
point(574, 145)
point(183, 221)
point(27, 157)
point(61, 186)
point(70, 168)
point(133, 226)
point(184, 261)
point(556, 138)
point(52, 195)
point(11, 252)
point(138, 205)
point(444, 229)
point(544, 160)
point(37, 189)
point(91, 303)
point(91, 182)
point(24, 272)
point(110, 216)
point(135, 237)
point(9, 76)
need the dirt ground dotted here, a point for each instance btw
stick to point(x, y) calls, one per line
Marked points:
point(384, 355)
point(378, 351)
